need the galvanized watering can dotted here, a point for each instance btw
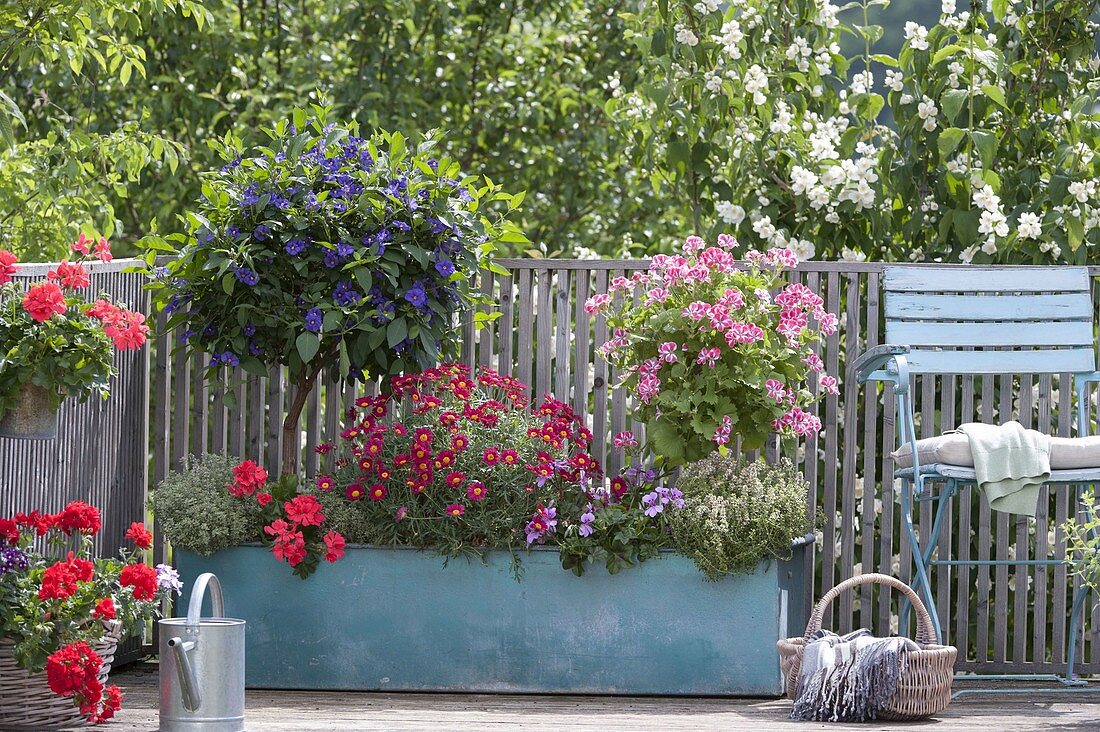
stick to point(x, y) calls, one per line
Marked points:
point(202, 666)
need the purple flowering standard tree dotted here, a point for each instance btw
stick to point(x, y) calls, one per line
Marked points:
point(324, 249)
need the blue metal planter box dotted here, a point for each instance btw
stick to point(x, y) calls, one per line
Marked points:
point(398, 620)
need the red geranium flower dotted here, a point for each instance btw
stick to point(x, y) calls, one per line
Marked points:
point(70, 669)
point(105, 609)
point(142, 578)
point(60, 580)
point(103, 250)
point(248, 477)
point(40, 522)
point(455, 509)
point(334, 546)
point(43, 301)
point(138, 534)
point(79, 516)
point(9, 531)
point(263, 499)
point(7, 266)
point(73, 276)
point(304, 510)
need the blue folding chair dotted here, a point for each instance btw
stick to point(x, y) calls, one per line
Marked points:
point(971, 320)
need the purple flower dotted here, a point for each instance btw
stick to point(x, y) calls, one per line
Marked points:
point(296, 246)
point(652, 503)
point(13, 559)
point(587, 518)
point(250, 196)
point(345, 293)
point(247, 276)
point(261, 232)
point(169, 579)
point(249, 330)
point(232, 232)
point(314, 320)
point(186, 335)
point(226, 357)
point(543, 522)
point(445, 267)
point(205, 236)
point(416, 294)
point(280, 202)
point(312, 204)
point(332, 259)
point(345, 249)
point(400, 226)
point(254, 348)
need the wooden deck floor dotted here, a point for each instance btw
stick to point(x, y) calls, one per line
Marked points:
point(282, 711)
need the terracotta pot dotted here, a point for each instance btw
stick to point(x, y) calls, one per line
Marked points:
point(32, 417)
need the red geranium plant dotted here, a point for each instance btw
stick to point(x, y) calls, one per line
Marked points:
point(295, 524)
point(56, 609)
point(55, 337)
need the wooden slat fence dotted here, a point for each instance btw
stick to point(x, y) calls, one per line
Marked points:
point(1007, 619)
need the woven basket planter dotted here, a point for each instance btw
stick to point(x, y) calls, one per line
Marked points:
point(924, 688)
point(26, 702)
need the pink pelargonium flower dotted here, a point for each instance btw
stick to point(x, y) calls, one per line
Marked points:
point(781, 258)
point(829, 384)
point(775, 389)
point(827, 322)
point(814, 362)
point(709, 356)
point(693, 244)
point(696, 310)
point(800, 422)
point(103, 250)
point(716, 258)
point(744, 333)
point(648, 387)
point(722, 434)
point(597, 303)
point(625, 439)
point(732, 299)
point(43, 301)
point(698, 273)
point(621, 283)
point(763, 296)
point(656, 294)
point(667, 351)
point(720, 318)
point(727, 241)
point(650, 366)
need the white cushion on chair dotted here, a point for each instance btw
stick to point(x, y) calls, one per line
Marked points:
point(1066, 453)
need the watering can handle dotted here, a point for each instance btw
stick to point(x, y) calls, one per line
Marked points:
point(198, 592)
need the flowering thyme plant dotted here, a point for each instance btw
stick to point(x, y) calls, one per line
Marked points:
point(708, 353)
point(326, 249)
point(55, 338)
point(54, 610)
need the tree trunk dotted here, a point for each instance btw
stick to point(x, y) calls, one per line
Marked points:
point(291, 444)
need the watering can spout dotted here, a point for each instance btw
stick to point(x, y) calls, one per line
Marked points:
point(189, 687)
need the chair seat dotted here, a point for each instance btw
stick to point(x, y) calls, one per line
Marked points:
point(966, 474)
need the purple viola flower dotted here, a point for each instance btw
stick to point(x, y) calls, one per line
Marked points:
point(280, 202)
point(345, 249)
point(13, 559)
point(314, 320)
point(247, 276)
point(445, 267)
point(400, 225)
point(543, 522)
point(261, 232)
point(227, 358)
point(416, 295)
point(249, 330)
point(169, 579)
point(254, 348)
point(296, 246)
point(312, 204)
point(587, 519)
point(652, 503)
point(250, 196)
point(232, 232)
point(433, 164)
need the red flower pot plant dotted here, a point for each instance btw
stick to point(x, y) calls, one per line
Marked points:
point(57, 604)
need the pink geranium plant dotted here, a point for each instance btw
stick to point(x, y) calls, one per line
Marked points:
point(55, 336)
point(713, 348)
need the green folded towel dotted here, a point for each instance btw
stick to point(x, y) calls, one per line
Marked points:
point(1010, 464)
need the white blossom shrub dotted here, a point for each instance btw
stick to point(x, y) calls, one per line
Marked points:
point(977, 143)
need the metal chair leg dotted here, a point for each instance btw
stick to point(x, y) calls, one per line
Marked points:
point(921, 583)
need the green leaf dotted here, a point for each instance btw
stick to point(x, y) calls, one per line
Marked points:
point(949, 140)
point(995, 93)
point(229, 281)
point(951, 102)
point(308, 345)
point(999, 7)
point(396, 332)
point(986, 142)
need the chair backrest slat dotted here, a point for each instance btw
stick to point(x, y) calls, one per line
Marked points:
point(1026, 320)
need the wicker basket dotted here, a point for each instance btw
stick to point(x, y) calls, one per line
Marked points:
point(26, 702)
point(924, 688)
